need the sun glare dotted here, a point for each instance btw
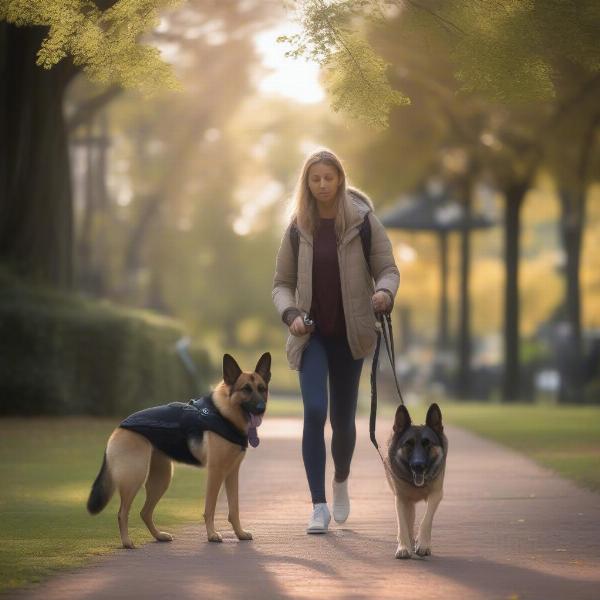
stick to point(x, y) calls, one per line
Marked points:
point(291, 77)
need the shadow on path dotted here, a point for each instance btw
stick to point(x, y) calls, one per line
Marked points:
point(506, 528)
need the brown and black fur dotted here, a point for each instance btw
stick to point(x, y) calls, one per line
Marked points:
point(415, 468)
point(131, 461)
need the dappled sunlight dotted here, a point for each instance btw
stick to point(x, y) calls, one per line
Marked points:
point(64, 494)
point(297, 79)
point(152, 166)
point(43, 502)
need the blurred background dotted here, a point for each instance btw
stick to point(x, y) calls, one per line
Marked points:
point(148, 154)
point(138, 232)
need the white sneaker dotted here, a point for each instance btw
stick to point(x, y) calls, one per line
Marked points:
point(341, 501)
point(319, 520)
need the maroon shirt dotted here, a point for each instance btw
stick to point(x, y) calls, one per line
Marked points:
point(327, 309)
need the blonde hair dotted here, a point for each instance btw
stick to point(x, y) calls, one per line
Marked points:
point(304, 205)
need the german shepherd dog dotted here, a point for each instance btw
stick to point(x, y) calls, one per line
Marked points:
point(132, 459)
point(415, 467)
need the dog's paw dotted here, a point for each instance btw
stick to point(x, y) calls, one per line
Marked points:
point(128, 544)
point(244, 535)
point(163, 536)
point(215, 537)
point(402, 552)
point(423, 548)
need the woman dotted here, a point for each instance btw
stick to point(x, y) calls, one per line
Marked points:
point(324, 291)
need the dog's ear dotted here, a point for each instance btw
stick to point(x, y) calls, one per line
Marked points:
point(263, 367)
point(231, 370)
point(402, 419)
point(434, 419)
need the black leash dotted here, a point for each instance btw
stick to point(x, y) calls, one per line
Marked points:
point(388, 339)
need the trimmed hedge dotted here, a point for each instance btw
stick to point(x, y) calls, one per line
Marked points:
point(61, 354)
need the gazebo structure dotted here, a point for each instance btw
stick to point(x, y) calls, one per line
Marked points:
point(433, 208)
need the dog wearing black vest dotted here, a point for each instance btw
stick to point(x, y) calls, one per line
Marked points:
point(212, 432)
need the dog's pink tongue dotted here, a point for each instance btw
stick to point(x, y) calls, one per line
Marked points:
point(255, 421)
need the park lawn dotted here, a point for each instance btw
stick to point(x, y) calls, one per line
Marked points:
point(284, 406)
point(563, 438)
point(47, 467)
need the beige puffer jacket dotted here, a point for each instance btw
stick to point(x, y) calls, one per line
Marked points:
point(293, 289)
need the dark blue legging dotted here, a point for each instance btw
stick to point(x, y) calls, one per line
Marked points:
point(323, 357)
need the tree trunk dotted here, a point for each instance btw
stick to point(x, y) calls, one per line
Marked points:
point(93, 209)
point(571, 230)
point(464, 348)
point(36, 215)
point(514, 196)
point(443, 309)
point(88, 208)
point(573, 206)
point(133, 262)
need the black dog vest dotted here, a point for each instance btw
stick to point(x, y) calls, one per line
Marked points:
point(168, 427)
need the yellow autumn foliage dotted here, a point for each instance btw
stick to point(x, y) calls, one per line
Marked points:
point(106, 44)
point(541, 280)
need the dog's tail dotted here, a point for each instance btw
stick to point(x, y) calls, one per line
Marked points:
point(102, 490)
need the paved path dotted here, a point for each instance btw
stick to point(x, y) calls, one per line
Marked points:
point(505, 529)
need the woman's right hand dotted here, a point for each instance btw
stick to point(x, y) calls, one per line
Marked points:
point(298, 327)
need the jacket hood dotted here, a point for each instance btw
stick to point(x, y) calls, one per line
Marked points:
point(358, 204)
point(360, 199)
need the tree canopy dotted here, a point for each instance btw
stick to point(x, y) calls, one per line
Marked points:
point(510, 51)
point(102, 38)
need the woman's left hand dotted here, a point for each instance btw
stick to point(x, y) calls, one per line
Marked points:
point(381, 302)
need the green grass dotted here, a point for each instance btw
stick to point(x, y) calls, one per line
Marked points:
point(284, 406)
point(46, 468)
point(564, 438)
